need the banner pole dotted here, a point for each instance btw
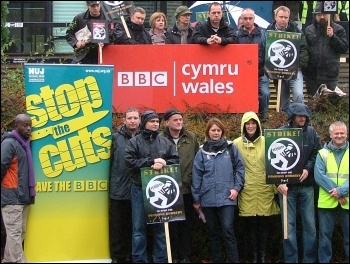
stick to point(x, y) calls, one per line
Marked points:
point(168, 248)
point(285, 217)
point(278, 95)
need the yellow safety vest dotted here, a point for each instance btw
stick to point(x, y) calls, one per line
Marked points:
point(304, 13)
point(346, 8)
point(337, 175)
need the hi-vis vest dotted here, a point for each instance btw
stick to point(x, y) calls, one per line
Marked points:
point(337, 175)
point(304, 13)
point(340, 5)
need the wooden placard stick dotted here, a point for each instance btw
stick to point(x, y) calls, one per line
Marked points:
point(125, 26)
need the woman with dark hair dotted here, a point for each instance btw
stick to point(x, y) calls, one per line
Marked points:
point(217, 178)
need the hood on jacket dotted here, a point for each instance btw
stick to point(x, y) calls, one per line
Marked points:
point(329, 145)
point(123, 130)
point(298, 109)
point(246, 117)
point(6, 134)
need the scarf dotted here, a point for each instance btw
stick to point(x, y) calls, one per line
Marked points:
point(26, 146)
point(184, 31)
point(216, 145)
point(157, 38)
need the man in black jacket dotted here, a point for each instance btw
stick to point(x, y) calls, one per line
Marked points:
point(215, 30)
point(148, 149)
point(119, 189)
point(135, 32)
point(300, 196)
point(85, 52)
point(325, 44)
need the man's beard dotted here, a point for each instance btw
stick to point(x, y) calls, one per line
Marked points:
point(323, 24)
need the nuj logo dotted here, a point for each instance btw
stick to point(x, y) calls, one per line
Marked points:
point(36, 70)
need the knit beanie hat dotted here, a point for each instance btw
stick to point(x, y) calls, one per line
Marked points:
point(146, 116)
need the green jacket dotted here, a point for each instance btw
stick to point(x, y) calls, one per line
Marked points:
point(256, 197)
point(187, 147)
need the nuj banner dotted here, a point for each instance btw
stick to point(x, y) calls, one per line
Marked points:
point(70, 107)
point(162, 194)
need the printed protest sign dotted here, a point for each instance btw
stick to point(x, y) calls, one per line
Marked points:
point(162, 194)
point(283, 157)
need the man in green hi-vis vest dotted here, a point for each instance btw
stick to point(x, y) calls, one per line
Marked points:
point(332, 175)
point(305, 12)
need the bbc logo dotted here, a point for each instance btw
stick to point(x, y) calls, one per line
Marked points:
point(142, 79)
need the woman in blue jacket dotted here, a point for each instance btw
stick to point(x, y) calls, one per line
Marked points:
point(217, 178)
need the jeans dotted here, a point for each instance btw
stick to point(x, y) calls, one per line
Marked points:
point(221, 216)
point(181, 231)
point(264, 96)
point(326, 222)
point(139, 232)
point(300, 198)
point(296, 86)
point(15, 222)
point(119, 229)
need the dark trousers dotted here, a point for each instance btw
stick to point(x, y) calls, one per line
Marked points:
point(181, 231)
point(120, 229)
point(220, 222)
point(257, 229)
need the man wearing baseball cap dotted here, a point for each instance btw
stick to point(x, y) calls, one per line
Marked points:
point(147, 149)
point(187, 146)
point(85, 52)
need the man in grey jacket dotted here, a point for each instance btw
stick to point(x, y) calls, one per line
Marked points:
point(17, 187)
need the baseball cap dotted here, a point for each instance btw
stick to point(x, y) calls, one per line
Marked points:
point(92, 2)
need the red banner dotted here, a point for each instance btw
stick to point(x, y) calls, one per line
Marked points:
point(162, 76)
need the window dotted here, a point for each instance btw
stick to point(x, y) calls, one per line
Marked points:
point(27, 39)
point(64, 12)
